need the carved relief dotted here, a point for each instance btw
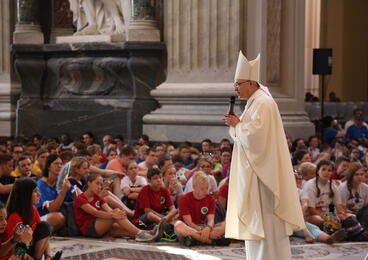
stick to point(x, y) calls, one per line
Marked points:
point(86, 76)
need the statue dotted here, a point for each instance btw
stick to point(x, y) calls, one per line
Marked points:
point(93, 17)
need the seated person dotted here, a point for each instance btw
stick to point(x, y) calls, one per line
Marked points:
point(131, 184)
point(341, 164)
point(150, 161)
point(320, 192)
point(185, 153)
point(50, 199)
point(354, 193)
point(222, 195)
point(205, 165)
point(39, 164)
point(6, 181)
point(96, 219)
point(307, 171)
point(154, 203)
point(181, 172)
point(171, 183)
point(312, 232)
point(21, 211)
point(19, 241)
point(24, 168)
point(197, 214)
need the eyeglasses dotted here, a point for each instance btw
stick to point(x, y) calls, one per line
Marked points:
point(238, 84)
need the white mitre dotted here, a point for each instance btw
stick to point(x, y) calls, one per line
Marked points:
point(247, 70)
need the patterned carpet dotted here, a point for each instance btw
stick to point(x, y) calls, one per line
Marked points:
point(113, 249)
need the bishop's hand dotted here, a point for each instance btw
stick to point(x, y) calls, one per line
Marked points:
point(231, 120)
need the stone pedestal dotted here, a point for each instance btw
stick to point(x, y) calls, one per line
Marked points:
point(28, 29)
point(98, 87)
point(203, 39)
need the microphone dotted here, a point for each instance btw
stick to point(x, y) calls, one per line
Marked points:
point(231, 105)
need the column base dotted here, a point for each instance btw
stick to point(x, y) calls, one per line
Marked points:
point(193, 112)
point(28, 34)
point(143, 31)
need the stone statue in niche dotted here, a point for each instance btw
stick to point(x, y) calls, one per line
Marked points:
point(93, 17)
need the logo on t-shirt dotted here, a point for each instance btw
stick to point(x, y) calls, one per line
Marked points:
point(98, 204)
point(162, 200)
point(204, 210)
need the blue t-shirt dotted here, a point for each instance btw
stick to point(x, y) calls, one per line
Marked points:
point(329, 135)
point(47, 194)
point(357, 132)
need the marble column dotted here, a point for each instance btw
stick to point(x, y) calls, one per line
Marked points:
point(203, 39)
point(28, 28)
point(62, 20)
point(8, 89)
point(142, 25)
point(312, 40)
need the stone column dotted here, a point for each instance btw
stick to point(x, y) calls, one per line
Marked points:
point(203, 39)
point(62, 19)
point(7, 88)
point(143, 24)
point(28, 28)
point(312, 40)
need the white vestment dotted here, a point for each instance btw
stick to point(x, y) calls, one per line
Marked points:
point(261, 169)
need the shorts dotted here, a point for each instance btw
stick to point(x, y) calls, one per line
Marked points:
point(144, 218)
point(313, 230)
point(91, 230)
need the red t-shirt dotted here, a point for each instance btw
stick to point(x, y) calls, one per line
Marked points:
point(334, 176)
point(82, 218)
point(224, 190)
point(155, 200)
point(197, 209)
point(13, 220)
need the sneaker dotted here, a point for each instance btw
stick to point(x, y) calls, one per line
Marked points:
point(189, 241)
point(336, 237)
point(57, 255)
point(168, 238)
point(143, 236)
point(158, 230)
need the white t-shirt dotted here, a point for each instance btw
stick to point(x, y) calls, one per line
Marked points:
point(140, 181)
point(211, 189)
point(324, 200)
point(354, 203)
point(144, 165)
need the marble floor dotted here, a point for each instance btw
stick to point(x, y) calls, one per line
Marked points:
point(113, 249)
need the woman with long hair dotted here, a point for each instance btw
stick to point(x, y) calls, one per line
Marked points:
point(21, 210)
point(354, 192)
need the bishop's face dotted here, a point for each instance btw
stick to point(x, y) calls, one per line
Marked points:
point(244, 88)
